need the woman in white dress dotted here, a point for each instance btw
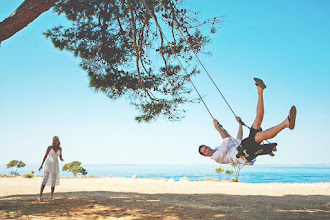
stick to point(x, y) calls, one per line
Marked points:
point(52, 168)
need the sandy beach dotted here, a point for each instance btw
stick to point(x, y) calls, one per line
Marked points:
point(126, 198)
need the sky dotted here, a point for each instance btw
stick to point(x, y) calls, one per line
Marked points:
point(44, 92)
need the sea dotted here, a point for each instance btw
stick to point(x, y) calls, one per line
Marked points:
point(248, 174)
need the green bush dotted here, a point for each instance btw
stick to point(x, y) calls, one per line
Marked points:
point(234, 180)
point(28, 175)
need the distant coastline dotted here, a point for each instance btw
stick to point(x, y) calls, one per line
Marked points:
point(259, 173)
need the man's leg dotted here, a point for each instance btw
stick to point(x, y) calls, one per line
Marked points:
point(272, 132)
point(260, 105)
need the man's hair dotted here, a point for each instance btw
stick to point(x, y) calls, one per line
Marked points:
point(199, 149)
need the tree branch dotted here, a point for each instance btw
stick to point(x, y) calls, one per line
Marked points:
point(136, 48)
point(27, 12)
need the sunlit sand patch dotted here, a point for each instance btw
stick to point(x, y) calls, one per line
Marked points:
point(101, 212)
point(304, 210)
point(219, 215)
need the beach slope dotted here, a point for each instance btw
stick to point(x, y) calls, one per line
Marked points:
point(125, 198)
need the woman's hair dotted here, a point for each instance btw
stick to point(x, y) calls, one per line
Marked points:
point(53, 144)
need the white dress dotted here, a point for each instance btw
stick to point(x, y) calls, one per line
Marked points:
point(52, 169)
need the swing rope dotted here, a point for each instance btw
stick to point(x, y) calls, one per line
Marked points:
point(190, 47)
point(219, 125)
point(201, 98)
point(199, 61)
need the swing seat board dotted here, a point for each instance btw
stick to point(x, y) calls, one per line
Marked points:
point(249, 154)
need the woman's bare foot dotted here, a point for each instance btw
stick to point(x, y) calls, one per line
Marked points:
point(40, 199)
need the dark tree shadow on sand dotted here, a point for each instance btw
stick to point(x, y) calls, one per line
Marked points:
point(105, 205)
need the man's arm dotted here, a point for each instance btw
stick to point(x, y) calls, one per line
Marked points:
point(220, 129)
point(240, 128)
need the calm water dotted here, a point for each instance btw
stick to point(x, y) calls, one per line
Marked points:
point(248, 174)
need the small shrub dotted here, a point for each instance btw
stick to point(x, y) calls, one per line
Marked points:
point(28, 175)
point(228, 173)
point(237, 167)
point(234, 180)
point(219, 171)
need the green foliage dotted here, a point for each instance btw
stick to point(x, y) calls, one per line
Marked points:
point(74, 168)
point(234, 180)
point(237, 167)
point(219, 171)
point(228, 173)
point(12, 164)
point(17, 164)
point(28, 175)
point(129, 58)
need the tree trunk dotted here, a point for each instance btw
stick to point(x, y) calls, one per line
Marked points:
point(24, 15)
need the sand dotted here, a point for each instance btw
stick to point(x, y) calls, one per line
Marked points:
point(126, 198)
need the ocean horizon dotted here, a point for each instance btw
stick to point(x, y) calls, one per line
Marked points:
point(260, 173)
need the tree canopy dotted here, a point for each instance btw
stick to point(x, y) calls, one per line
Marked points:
point(74, 168)
point(122, 48)
point(15, 163)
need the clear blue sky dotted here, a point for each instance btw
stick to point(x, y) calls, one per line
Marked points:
point(44, 92)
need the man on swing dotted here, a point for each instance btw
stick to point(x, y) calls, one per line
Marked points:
point(250, 147)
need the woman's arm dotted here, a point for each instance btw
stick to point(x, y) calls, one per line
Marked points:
point(61, 154)
point(48, 149)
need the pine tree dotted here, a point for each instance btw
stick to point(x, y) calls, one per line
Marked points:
point(15, 163)
point(75, 168)
point(122, 48)
point(26, 13)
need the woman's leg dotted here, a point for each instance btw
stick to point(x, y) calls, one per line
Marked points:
point(53, 183)
point(41, 191)
point(52, 192)
point(43, 184)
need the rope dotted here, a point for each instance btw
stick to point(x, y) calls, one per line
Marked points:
point(190, 47)
point(178, 59)
point(220, 126)
point(200, 62)
point(185, 39)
